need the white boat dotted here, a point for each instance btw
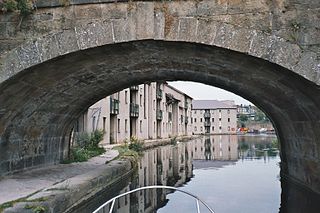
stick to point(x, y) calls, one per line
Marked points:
point(112, 200)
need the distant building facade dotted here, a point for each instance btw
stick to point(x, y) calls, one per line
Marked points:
point(214, 117)
point(147, 111)
point(248, 110)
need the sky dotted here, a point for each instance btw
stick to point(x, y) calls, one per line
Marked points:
point(200, 91)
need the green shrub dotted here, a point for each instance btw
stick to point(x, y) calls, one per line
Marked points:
point(36, 209)
point(95, 151)
point(5, 205)
point(79, 154)
point(24, 6)
point(96, 137)
point(173, 140)
point(87, 146)
point(132, 155)
point(275, 144)
point(9, 5)
point(89, 140)
point(82, 139)
point(136, 144)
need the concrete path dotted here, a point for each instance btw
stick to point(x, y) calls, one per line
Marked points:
point(23, 184)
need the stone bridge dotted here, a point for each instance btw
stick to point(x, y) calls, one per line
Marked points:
point(62, 58)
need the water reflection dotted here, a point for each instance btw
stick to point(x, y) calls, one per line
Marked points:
point(231, 173)
point(169, 165)
point(216, 147)
point(251, 148)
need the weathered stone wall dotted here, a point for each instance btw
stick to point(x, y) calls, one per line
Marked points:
point(296, 21)
point(66, 196)
point(60, 60)
point(286, 32)
point(42, 102)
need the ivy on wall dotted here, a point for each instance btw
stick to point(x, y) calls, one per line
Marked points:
point(25, 7)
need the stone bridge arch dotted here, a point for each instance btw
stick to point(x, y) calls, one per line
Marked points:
point(48, 80)
point(86, 25)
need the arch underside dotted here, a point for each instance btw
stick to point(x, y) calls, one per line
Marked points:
point(39, 104)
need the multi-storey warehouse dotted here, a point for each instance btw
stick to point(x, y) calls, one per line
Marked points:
point(147, 111)
point(214, 117)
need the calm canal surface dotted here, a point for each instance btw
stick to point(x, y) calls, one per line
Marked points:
point(230, 173)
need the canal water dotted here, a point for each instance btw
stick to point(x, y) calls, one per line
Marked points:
point(231, 173)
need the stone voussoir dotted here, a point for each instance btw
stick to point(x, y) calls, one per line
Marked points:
point(178, 21)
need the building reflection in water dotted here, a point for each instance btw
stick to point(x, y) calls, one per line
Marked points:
point(249, 148)
point(173, 166)
point(216, 147)
point(215, 151)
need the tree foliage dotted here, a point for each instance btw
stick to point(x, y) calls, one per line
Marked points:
point(25, 7)
point(87, 146)
point(243, 118)
point(260, 116)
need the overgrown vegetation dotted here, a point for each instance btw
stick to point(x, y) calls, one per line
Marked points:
point(25, 7)
point(87, 146)
point(35, 208)
point(260, 117)
point(275, 144)
point(124, 152)
point(6, 205)
point(173, 140)
point(131, 149)
point(295, 28)
point(135, 144)
point(243, 118)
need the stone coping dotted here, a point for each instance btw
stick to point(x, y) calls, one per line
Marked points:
point(63, 3)
point(65, 195)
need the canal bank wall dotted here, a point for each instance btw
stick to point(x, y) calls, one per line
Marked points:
point(149, 144)
point(72, 193)
point(123, 176)
point(66, 195)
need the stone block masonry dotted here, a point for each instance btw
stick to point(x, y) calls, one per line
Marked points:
point(62, 192)
point(286, 33)
point(61, 60)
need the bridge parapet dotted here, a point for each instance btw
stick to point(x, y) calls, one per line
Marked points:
point(281, 33)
